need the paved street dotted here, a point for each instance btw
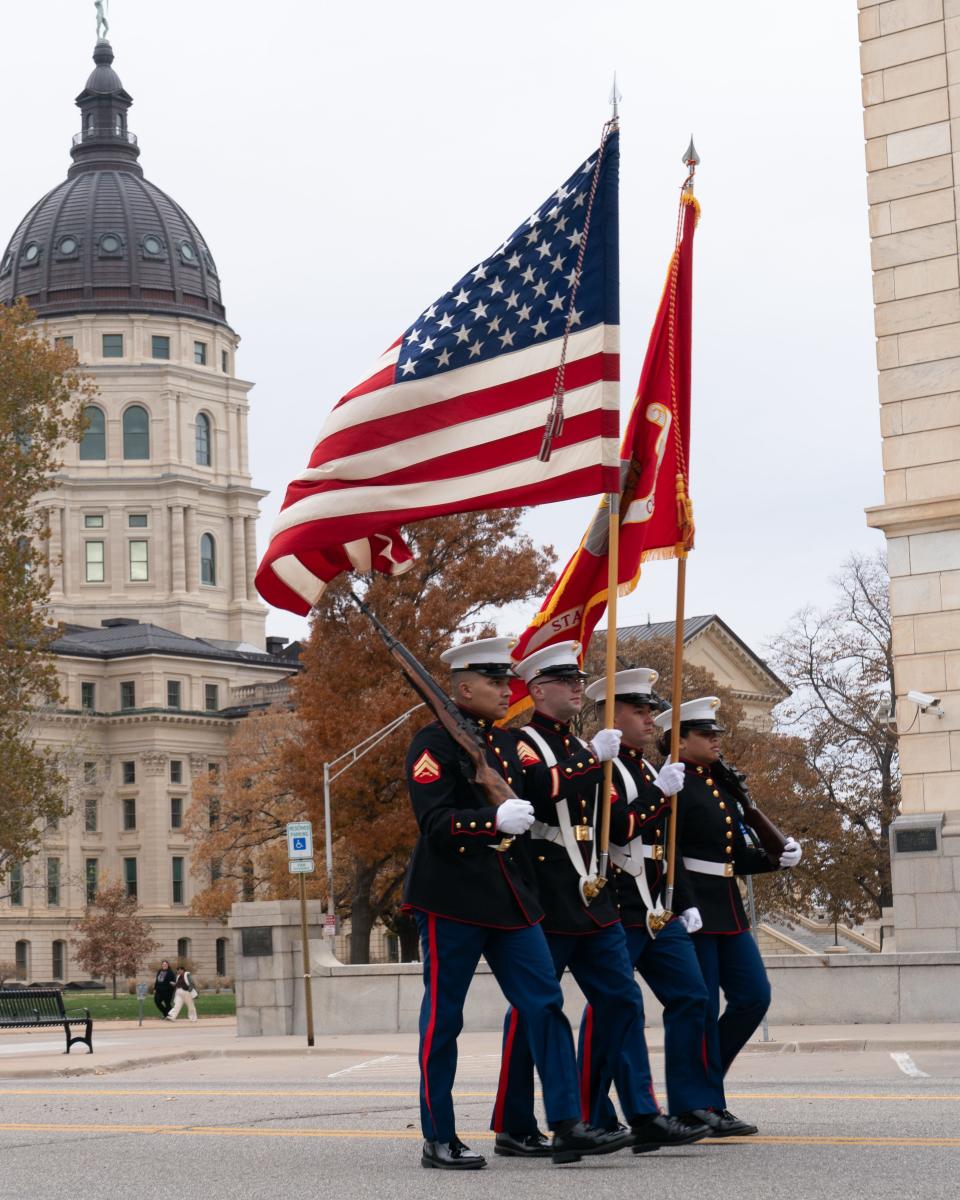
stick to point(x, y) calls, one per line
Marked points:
point(881, 1122)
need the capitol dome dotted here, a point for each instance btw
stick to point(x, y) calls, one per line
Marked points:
point(106, 240)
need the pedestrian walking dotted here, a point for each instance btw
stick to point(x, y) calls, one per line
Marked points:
point(185, 994)
point(163, 988)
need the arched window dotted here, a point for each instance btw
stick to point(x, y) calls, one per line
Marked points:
point(203, 440)
point(208, 560)
point(183, 949)
point(136, 432)
point(21, 955)
point(93, 444)
point(59, 959)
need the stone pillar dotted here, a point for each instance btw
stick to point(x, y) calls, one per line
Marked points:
point(238, 564)
point(193, 550)
point(177, 550)
point(910, 59)
point(250, 529)
point(55, 555)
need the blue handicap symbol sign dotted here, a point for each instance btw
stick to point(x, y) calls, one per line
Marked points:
point(299, 843)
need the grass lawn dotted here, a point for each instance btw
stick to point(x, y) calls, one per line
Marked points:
point(104, 1008)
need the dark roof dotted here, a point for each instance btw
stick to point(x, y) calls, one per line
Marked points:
point(106, 239)
point(126, 640)
point(692, 626)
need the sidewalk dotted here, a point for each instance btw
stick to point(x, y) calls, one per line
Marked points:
point(123, 1045)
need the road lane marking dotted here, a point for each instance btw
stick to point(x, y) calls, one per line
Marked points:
point(410, 1135)
point(359, 1066)
point(907, 1065)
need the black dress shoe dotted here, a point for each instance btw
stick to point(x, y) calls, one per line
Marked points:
point(451, 1156)
point(522, 1145)
point(574, 1139)
point(722, 1122)
point(660, 1130)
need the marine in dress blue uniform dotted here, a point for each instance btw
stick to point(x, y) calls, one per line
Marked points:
point(469, 890)
point(667, 962)
point(563, 780)
point(715, 847)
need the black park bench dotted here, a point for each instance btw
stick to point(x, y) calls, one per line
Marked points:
point(35, 1008)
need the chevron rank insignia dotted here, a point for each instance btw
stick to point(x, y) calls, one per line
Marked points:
point(426, 769)
point(528, 756)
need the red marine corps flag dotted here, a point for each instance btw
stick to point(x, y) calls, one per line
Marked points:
point(656, 516)
point(503, 393)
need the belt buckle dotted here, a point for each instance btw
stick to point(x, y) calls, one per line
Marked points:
point(728, 870)
point(583, 833)
point(658, 853)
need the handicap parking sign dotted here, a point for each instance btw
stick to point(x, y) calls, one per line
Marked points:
point(299, 839)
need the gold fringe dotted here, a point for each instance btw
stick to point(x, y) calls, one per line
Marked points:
point(690, 198)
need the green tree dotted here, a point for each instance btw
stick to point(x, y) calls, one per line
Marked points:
point(41, 403)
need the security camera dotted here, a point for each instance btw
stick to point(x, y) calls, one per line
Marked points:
point(924, 702)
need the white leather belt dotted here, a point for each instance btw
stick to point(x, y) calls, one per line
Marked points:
point(545, 832)
point(702, 867)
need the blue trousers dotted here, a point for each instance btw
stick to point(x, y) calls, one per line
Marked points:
point(668, 963)
point(730, 963)
point(601, 966)
point(521, 963)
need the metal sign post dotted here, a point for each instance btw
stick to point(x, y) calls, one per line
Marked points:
point(300, 861)
point(141, 994)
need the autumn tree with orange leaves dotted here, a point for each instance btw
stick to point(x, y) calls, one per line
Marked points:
point(466, 567)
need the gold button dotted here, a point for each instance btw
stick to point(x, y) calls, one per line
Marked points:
point(509, 779)
point(729, 820)
point(729, 834)
point(583, 803)
point(584, 821)
point(540, 858)
point(579, 766)
point(459, 826)
point(659, 833)
point(568, 770)
point(729, 849)
point(723, 804)
point(617, 871)
point(473, 824)
point(709, 781)
point(488, 824)
point(699, 770)
point(653, 808)
point(590, 761)
point(716, 793)
point(463, 849)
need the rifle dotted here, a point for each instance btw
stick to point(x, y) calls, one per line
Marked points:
point(769, 836)
point(489, 781)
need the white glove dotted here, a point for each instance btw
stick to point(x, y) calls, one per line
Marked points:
point(791, 853)
point(514, 816)
point(691, 920)
point(606, 744)
point(670, 779)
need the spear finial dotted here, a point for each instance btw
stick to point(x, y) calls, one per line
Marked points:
point(615, 97)
point(691, 158)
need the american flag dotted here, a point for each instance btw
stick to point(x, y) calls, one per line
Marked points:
point(451, 418)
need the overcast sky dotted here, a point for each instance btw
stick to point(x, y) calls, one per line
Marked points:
point(347, 163)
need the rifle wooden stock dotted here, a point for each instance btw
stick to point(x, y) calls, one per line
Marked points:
point(491, 782)
point(768, 835)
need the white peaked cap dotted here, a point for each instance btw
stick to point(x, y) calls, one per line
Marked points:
point(638, 681)
point(562, 658)
point(489, 656)
point(698, 714)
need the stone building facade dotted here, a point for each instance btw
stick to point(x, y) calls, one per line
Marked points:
point(152, 547)
point(910, 62)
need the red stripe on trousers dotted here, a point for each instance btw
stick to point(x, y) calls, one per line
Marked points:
point(504, 1080)
point(587, 1056)
point(432, 1023)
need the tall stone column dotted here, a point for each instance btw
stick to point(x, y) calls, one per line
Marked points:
point(910, 59)
point(177, 549)
point(55, 554)
point(250, 524)
point(238, 563)
point(193, 550)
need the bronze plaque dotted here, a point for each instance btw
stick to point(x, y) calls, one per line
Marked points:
point(256, 941)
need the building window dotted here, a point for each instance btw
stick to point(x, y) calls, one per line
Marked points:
point(88, 696)
point(214, 812)
point(183, 949)
point(203, 440)
point(16, 885)
point(137, 521)
point(63, 343)
point(176, 812)
point(216, 870)
point(176, 770)
point(177, 880)
point(129, 813)
point(89, 773)
point(211, 697)
point(21, 955)
point(136, 432)
point(112, 344)
point(208, 560)
point(200, 353)
point(91, 879)
point(130, 876)
point(139, 562)
point(129, 771)
point(159, 346)
point(94, 562)
point(93, 521)
point(173, 701)
point(221, 956)
point(59, 959)
point(93, 443)
point(53, 882)
point(90, 814)
point(128, 694)
point(224, 361)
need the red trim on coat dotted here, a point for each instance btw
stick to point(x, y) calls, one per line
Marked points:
point(504, 1080)
point(587, 1060)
